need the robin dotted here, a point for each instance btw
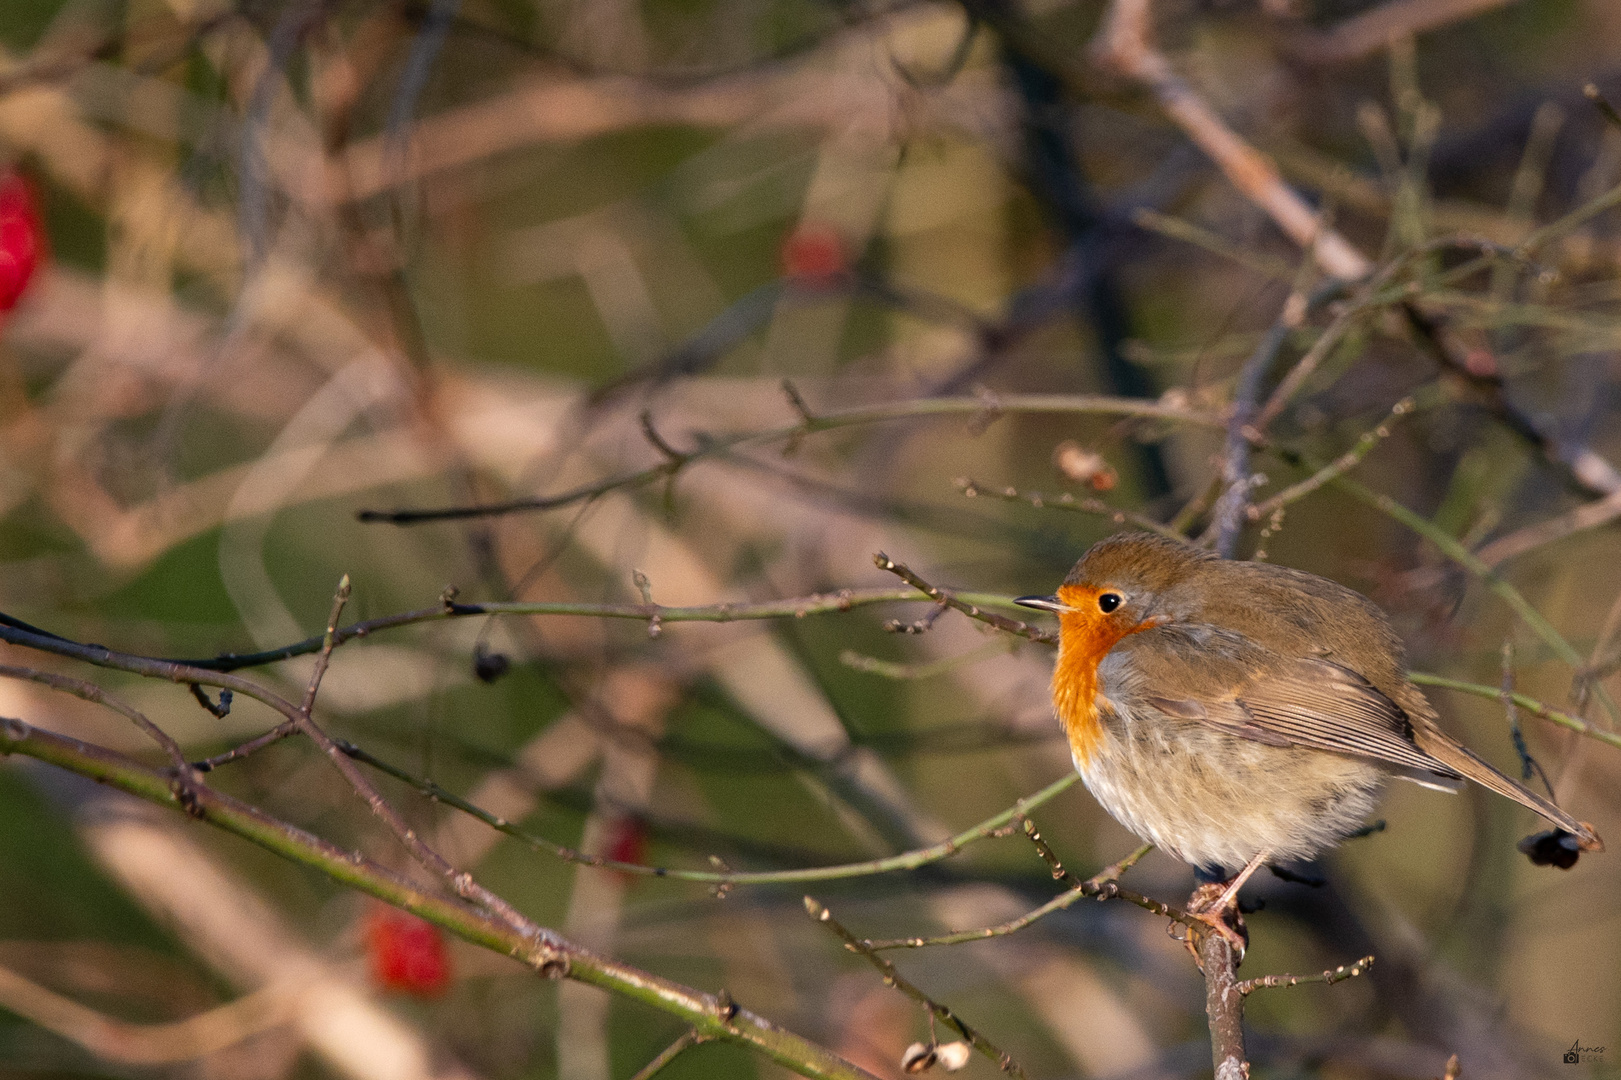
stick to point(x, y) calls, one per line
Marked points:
point(1236, 714)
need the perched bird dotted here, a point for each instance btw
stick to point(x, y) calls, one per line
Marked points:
point(1239, 713)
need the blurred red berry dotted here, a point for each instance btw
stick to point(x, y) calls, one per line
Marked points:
point(407, 954)
point(815, 252)
point(22, 238)
point(627, 841)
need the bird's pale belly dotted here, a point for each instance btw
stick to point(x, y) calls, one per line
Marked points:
point(1217, 800)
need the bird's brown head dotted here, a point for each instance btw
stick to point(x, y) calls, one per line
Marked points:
point(1122, 586)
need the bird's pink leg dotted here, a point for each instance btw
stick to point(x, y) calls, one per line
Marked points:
point(1216, 905)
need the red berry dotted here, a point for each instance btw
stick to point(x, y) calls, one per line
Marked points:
point(627, 841)
point(407, 954)
point(814, 251)
point(22, 236)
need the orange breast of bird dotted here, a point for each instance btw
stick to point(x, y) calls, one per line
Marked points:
point(1087, 637)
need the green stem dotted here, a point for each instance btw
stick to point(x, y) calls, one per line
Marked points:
point(1529, 704)
point(1454, 550)
point(910, 860)
point(712, 1016)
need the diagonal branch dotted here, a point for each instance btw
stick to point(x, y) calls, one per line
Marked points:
point(89, 691)
point(534, 945)
point(892, 977)
point(1125, 44)
point(1096, 885)
point(996, 825)
point(958, 603)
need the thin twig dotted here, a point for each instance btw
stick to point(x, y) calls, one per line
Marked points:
point(1367, 33)
point(1339, 974)
point(1186, 231)
point(792, 607)
point(329, 641)
point(1467, 559)
point(1227, 519)
point(797, 607)
point(1340, 465)
point(1092, 886)
point(1604, 658)
point(959, 603)
point(892, 977)
point(1107, 890)
point(995, 825)
point(218, 711)
point(89, 691)
point(687, 1041)
point(1528, 764)
point(1308, 363)
point(1593, 94)
point(888, 669)
point(1587, 516)
point(125, 1043)
point(1066, 501)
point(925, 407)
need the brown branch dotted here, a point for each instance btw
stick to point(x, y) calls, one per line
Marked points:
point(973, 611)
point(1096, 885)
point(1587, 516)
point(871, 414)
point(1224, 1006)
point(127, 1043)
point(1365, 34)
point(1125, 45)
point(89, 691)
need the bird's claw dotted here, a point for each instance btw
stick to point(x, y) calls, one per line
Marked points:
point(1224, 919)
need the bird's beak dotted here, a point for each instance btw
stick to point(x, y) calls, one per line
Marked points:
point(1043, 603)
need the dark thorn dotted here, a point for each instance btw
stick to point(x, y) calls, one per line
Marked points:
point(222, 710)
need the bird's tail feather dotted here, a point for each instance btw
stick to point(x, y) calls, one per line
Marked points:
point(1463, 760)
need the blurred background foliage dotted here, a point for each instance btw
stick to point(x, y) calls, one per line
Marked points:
point(309, 257)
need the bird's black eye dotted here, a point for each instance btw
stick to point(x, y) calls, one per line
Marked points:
point(1109, 601)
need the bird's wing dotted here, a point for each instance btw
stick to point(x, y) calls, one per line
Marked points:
point(1322, 705)
point(1284, 701)
point(1314, 703)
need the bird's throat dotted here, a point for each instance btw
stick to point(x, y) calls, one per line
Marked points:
point(1075, 695)
point(1084, 639)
